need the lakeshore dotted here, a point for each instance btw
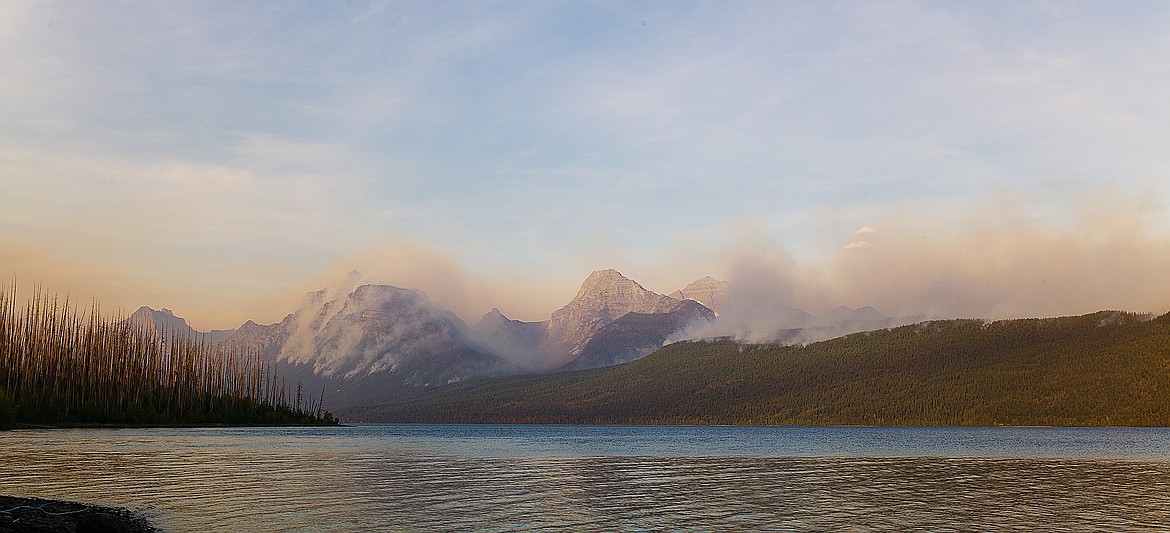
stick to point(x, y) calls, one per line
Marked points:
point(35, 515)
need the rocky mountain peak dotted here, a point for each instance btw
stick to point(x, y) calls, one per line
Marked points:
point(494, 314)
point(707, 290)
point(635, 335)
point(382, 329)
point(605, 296)
point(604, 274)
point(492, 319)
point(611, 286)
point(607, 281)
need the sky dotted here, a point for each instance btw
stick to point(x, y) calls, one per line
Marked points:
point(990, 159)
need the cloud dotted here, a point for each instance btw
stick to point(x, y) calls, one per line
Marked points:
point(865, 230)
point(858, 245)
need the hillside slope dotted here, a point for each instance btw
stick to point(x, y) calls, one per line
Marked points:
point(1106, 368)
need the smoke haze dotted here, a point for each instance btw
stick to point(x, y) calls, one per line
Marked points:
point(446, 281)
point(991, 263)
point(1111, 252)
point(999, 263)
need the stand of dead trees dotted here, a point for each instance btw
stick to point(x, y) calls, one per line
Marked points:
point(60, 364)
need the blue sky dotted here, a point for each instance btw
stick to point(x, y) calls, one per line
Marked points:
point(223, 158)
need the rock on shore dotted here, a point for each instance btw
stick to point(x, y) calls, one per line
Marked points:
point(36, 515)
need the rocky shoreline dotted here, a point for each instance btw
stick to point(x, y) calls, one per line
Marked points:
point(36, 515)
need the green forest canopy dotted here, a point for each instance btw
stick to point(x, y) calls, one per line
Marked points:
point(1103, 369)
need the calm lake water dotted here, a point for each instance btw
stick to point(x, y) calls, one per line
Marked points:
point(603, 478)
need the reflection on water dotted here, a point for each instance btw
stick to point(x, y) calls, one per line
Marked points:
point(603, 479)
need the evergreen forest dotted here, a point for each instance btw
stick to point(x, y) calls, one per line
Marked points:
point(1103, 369)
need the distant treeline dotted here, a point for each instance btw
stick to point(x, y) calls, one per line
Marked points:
point(1103, 369)
point(62, 365)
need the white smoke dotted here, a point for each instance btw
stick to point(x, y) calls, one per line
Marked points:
point(992, 263)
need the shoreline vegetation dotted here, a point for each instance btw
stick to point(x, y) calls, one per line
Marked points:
point(20, 514)
point(65, 366)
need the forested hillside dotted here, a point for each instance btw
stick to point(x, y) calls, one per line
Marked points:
point(1106, 368)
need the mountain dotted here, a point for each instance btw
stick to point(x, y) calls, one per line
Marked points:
point(375, 342)
point(1102, 369)
point(384, 328)
point(525, 344)
point(845, 315)
point(708, 291)
point(635, 335)
point(166, 323)
point(371, 343)
point(364, 344)
point(843, 321)
point(604, 297)
point(611, 320)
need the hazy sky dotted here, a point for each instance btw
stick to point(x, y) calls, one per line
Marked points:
point(222, 158)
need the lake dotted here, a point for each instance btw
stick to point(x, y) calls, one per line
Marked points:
point(604, 478)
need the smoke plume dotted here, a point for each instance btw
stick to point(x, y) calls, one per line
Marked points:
point(995, 262)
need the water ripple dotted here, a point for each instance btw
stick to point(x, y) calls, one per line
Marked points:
point(471, 479)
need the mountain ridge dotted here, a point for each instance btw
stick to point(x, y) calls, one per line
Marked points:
point(165, 323)
point(370, 341)
point(383, 336)
point(710, 292)
point(604, 296)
